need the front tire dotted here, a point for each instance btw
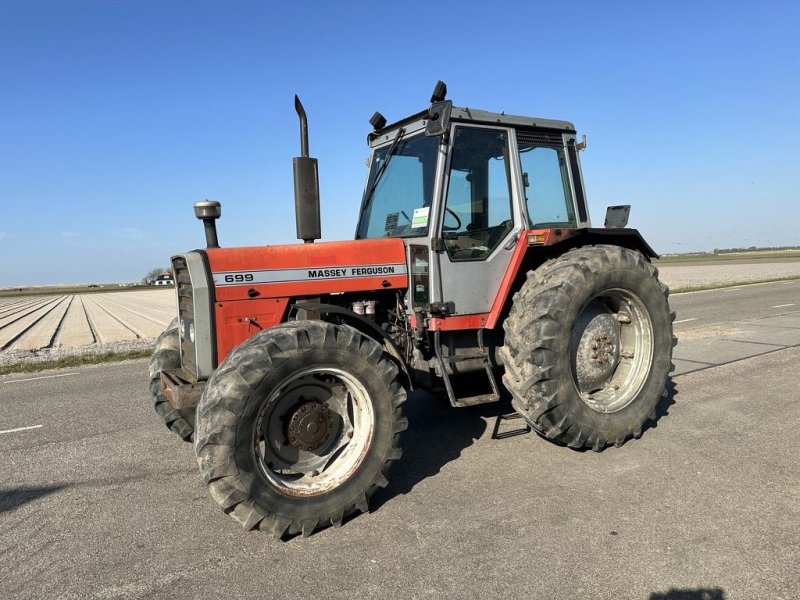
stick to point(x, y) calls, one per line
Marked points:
point(588, 346)
point(166, 357)
point(298, 427)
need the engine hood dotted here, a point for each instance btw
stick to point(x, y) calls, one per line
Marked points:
point(307, 269)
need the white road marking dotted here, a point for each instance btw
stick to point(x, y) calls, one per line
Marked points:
point(686, 320)
point(730, 289)
point(20, 429)
point(42, 377)
point(783, 305)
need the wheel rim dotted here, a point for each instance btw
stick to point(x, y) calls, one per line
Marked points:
point(313, 432)
point(611, 350)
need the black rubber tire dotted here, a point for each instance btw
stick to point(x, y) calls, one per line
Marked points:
point(537, 338)
point(166, 356)
point(234, 396)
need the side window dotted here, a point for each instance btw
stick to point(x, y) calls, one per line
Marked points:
point(547, 192)
point(478, 210)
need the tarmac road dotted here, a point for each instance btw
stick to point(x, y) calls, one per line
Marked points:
point(98, 500)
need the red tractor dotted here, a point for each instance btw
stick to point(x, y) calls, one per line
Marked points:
point(473, 257)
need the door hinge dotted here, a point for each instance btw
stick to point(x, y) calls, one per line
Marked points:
point(437, 245)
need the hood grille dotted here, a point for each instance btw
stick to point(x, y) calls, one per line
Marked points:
point(183, 285)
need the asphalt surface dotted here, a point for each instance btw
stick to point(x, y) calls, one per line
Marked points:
point(99, 500)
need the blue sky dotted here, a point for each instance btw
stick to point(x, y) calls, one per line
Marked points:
point(115, 116)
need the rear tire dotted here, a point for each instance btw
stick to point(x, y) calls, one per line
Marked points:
point(588, 347)
point(298, 427)
point(167, 357)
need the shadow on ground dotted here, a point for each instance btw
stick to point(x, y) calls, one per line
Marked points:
point(15, 497)
point(437, 434)
point(690, 594)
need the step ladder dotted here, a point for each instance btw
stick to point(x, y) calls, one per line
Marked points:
point(482, 354)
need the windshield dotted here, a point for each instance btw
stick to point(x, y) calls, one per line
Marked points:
point(400, 202)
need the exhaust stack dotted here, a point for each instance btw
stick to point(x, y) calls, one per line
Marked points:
point(306, 185)
point(208, 212)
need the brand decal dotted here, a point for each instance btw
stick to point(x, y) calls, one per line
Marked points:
point(352, 272)
point(288, 275)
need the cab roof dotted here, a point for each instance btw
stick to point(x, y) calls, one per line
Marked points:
point(474, 115)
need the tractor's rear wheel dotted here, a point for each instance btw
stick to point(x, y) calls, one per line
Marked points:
point(298, 427)
point(588, 346)
point(166, 356)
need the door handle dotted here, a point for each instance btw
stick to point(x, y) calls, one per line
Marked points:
point(512, 242)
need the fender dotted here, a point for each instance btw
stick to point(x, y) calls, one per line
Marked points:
point(363, 325)
point(627, 238)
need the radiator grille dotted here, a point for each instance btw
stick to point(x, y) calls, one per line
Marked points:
point(183, 285)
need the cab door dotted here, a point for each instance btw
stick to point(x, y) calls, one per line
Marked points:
point(480, 219)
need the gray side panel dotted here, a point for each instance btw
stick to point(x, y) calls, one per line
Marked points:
point(202, 349)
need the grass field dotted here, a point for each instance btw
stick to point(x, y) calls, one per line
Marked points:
point(62, 290)
point(748, 255)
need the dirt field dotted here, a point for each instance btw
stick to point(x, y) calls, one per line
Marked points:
point(717, 273)
point(114, 321)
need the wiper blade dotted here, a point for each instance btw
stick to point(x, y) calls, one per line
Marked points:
point(379, 173)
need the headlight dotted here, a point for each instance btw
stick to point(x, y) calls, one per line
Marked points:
point(191, 331)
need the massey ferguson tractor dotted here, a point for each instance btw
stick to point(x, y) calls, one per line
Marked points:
point(474, 270)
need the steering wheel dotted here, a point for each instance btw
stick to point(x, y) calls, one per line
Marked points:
point(455, 216)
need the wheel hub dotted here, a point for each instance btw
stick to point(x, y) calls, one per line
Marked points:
point(597, 352)
point(310, 427)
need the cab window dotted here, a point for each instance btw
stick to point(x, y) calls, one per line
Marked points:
point(400, 201)
point(477, 212)
point(546, 184)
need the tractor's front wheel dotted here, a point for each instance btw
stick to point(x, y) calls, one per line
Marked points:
point(588, 346)
point(298, 427)
point(165, 357)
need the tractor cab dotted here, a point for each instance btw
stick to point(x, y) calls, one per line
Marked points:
point(461, 187)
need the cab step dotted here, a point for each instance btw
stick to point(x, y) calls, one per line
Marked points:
point(483, 353)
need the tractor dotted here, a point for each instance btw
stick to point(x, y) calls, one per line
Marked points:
point(475, 274)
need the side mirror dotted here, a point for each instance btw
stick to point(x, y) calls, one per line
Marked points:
point(438, 118)
point(617, 216)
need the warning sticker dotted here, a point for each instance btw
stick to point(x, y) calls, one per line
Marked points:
point(420, 217)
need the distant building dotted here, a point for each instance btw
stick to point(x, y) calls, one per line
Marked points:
point(164, 279)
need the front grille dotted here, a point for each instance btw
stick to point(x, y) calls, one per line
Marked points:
point(183, 285)
point(540, 137)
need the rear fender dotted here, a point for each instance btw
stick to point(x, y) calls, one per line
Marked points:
point(627, 238)
point(555, 243)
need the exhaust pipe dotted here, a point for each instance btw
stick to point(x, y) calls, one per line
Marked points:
point(208, 212)
point(306, 185)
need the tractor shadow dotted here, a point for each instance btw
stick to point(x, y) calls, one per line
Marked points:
point(664, 403)
point(11, 498)
point(437, 434)
point(690, 594)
